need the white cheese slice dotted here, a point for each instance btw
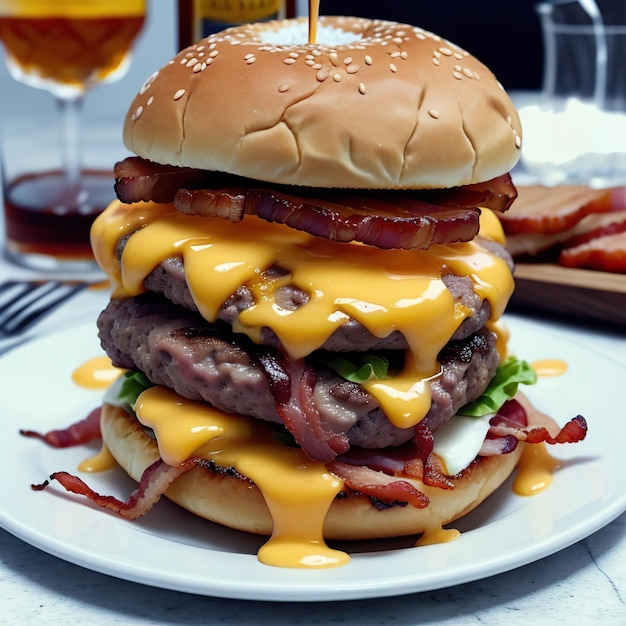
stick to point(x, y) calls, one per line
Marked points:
point(459, 441)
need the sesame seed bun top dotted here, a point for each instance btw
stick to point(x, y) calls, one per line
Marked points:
point(372, 104)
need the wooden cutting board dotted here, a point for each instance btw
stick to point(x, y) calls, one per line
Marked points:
point(588, 294)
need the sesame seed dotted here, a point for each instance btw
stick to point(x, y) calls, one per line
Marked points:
point(179, 94)
point(334, 58)
point(457, 68)
point(214, 53)
point(368, 59)
point(250, 59)
point(289, 61)
point(322, 74)
point(404, 55)
point(395, 55)
point(137, 114)
point(433, 113)
point(192, 62)
point(283, 88)
point(446, 51)
point(393, 67)
point(457, 75)
point(347, 61)
point(362, 89)
point(337, 77)
point(294, 55)
point(435, 61)
point(468, 72)
point(147, 84)
point(198, 67)
point(518, 141)
point(150, 100)
point(458, 55)
point(353, 68)
point(317, 66)
point(249, 55)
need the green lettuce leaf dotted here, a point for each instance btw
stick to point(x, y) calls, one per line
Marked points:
point(133, 384)
point(502, 387)
point(357, 368)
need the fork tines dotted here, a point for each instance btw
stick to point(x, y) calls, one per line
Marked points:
point(23, 303)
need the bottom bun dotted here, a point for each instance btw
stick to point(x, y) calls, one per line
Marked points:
point(236, 502)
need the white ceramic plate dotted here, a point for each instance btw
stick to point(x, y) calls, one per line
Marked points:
point(172, 549)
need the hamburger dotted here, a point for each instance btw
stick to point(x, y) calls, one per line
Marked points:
point(308, 281)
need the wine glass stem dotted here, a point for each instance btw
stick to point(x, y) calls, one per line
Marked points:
point(71, 112)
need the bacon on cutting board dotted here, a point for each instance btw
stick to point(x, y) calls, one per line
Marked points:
point(606, 254)
point(589, 227)
point(579, 226)
point(550, 210)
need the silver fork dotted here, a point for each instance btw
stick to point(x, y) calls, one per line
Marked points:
point(24, 303)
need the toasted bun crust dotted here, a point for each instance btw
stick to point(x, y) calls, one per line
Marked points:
point(238, 503)
point(393, 106)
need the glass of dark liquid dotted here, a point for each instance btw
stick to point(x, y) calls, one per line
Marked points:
point(50, 198)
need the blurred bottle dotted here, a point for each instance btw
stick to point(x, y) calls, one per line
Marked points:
point(199, 18)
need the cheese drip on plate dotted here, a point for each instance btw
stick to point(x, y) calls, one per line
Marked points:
point(384, 290)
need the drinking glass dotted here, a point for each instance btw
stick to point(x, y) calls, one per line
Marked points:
point(65, 47)
point(577, 133)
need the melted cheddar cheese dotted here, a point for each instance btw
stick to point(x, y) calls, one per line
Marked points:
point(384, 290)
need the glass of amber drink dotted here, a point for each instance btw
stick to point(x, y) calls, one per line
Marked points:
point(65, 47)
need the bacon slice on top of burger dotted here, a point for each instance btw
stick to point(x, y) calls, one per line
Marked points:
point(307, 283)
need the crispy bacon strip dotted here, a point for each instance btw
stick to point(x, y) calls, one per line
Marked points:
point(575, 430)
point(366, 481)
point(301, 417)
point(227, 203)
point(414, 459)
point(84, 431)
point(391, 225)
point(498, 445)
point(133, 184)
point(153, 484)
point(387, 219)
point(137, 179)
point(497, 194)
